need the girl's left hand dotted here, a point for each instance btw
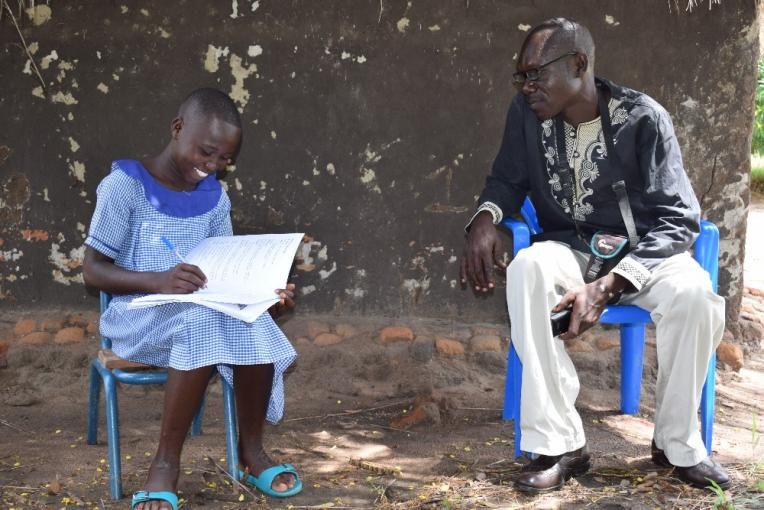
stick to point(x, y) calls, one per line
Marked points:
point(286, 302)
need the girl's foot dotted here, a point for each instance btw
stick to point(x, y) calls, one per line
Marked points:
point(255, 461)
point(163, 476)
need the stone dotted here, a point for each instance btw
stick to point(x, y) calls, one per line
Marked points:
point(604, 343)
point(422, 349)
point(751, 331)
point(92, 328)
point(36, 338)
point(448, 347)
point(493, 362)
point(345, 330)
point(25, 326)
point(72, 335)
point(481, 343)
point(748, 308)
point(314, 328)
point(52, 324)
point(4, 346)
point(396, 334)
point(81, 319)
point(424, 412)
point(327, 339)
point(303, 340)
point(755, 292)
point(730, 354)
point(483, 330)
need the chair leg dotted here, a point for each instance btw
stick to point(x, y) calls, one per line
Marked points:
point(112, 428)
point(707, 404)
point(231, 439)
point(508, 412)
point(94, 397)
point(196, 424)
point(632, 351)
point(516, 373)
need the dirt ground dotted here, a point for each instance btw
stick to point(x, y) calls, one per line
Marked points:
point(346, 406)
point(340, 405)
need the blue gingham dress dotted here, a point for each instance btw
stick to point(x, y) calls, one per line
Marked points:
point(132, 212)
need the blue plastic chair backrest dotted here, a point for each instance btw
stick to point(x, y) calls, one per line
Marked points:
point(529, 215)
point(104, 299)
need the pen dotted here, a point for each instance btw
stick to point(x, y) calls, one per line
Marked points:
point(172, 248)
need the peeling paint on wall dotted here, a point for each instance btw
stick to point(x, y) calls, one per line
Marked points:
point(39, 14)
point(212, 58)
point(64, 98)
point(77, 170)
point(65, 264)
point(324, 274)
point(240, 73)
point(47, 59)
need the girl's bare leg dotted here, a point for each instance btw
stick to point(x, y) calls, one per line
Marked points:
point(252, 386)
point(183, 393)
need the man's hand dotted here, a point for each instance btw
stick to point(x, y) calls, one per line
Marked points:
point(588, 302)
point(286, 302)
point(181, 279)
point(483, 249)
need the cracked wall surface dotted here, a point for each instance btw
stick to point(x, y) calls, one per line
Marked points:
point(368, 125)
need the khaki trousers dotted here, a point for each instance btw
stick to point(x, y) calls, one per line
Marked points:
point(689, 322)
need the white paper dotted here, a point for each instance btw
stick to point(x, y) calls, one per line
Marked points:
point(243, 273)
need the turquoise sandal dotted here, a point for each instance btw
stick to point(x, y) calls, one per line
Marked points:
point(265, 480)
point(146, 496)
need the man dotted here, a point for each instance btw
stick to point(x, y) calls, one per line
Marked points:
point(554, 151)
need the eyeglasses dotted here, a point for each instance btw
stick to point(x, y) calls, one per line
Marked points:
point(519, 78)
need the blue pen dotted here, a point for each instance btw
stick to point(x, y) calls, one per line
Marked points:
point(172, 248)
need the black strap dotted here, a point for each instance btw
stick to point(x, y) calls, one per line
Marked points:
point(619, 183)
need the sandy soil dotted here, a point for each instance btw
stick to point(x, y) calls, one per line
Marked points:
point(462, 461)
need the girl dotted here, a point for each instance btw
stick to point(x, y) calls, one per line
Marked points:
point(176, 195)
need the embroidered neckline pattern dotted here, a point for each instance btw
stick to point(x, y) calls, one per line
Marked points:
point(585, 146)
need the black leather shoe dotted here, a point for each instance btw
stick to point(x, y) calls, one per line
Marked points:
point(697, 475)
point(549, 473)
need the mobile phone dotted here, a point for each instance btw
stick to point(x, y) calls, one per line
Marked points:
point(560, 321)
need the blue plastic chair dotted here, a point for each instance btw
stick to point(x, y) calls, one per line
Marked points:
point(111, 377)
point(632, 320)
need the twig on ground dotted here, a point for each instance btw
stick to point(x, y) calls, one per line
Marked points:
point(19, 488)
point(393, 428)
point(373, 467)
point(14, 427)
point(345, 413)
point(236, 483)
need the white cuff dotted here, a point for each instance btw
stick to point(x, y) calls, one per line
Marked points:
point(636, 273)
point(492, 208)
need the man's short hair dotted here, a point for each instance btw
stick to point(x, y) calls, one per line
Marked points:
point(211, 102)
point(567, 35)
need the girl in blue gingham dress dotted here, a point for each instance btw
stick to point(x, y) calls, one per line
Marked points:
point(132, 214)
point(176, 195)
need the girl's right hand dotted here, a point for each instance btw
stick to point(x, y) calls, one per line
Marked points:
point(181, 279)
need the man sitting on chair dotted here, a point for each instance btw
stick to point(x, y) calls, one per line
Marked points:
point(570, 138)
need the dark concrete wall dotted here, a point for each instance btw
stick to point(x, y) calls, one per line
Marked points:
point(368, 125)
